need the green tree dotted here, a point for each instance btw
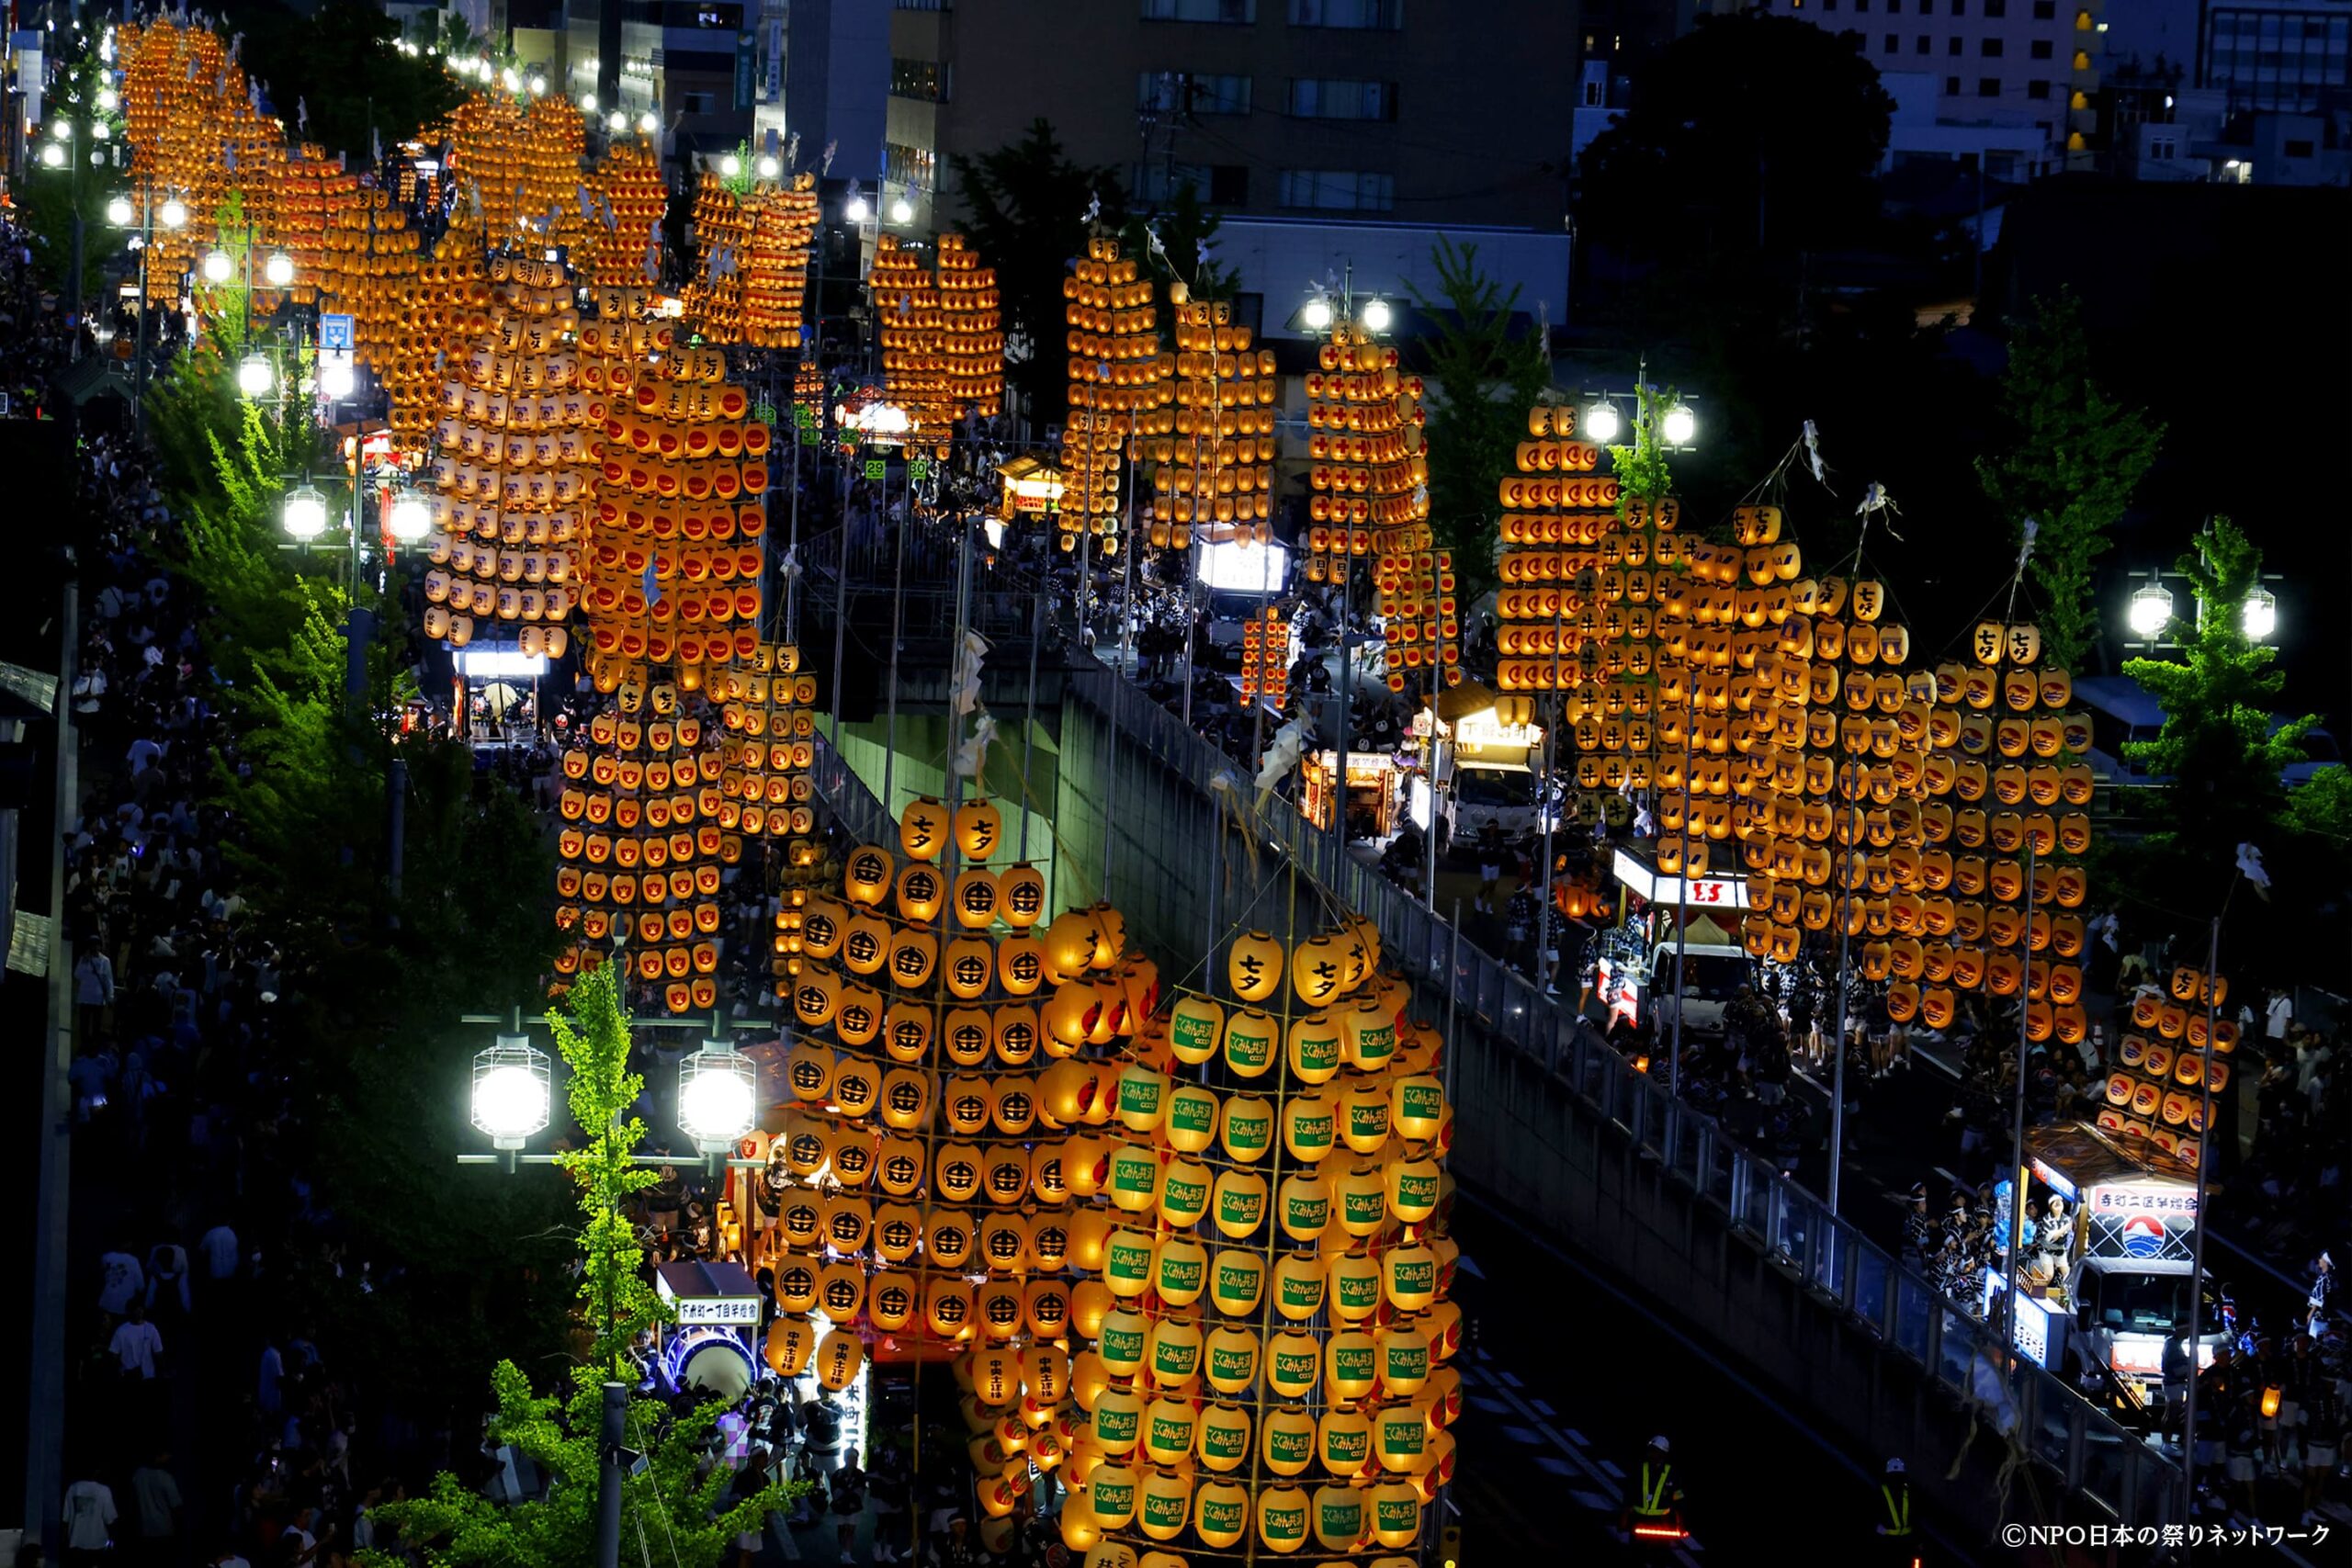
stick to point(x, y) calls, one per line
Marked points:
point(2218, 756)
point(1186, 231)
point(339, 63)
point(2075, 456)
point(1485, 378)
point(1026, 209)
point(671, 1501)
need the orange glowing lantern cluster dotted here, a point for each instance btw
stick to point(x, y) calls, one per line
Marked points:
point(769, 707)
point(514, 463)
point(1214, 473)
point(178, 86)
point(370, 267)
point(2165, 1061)
point(936, 1080)
point(1552, 526)
point(971, 328)
point(906, 307)
point(1265, 657)
point(723, 224)
point(775, 264)
point(516, 165)
point(1117, 392)
point(1263, 1331)
point(684, 468)
point(1420, 617)
point(629, 199)
point(1364, 424)
point(640, 850)
point(445, 305)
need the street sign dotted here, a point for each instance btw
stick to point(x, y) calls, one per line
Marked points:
point(335, 332)
point(918, 468)
point(810, 437)
point(873, 468)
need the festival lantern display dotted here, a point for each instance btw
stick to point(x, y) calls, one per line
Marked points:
point(1214, 467)
point(769, 709)
point(1118, 387)
point(2164, 1062)
point(515, 163)
point(723, 221)
point(909, 325)
point(1265, 657)
point(971, 334)
point(939, 1109)
point(627, 199)
point(1270, 1238)
point(775, 264)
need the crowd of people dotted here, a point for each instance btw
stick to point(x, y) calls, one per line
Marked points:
point(35, 337)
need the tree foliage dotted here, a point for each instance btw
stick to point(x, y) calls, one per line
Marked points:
point(338, 64)
point(1485, 378)
point(2075, 455)
point(1025, 208)
point(674, 1504)
point(1184, 252)
point(2219, 756)
point(1751, 133)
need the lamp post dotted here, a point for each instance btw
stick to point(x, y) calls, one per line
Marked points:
point(173, 214)
point(2153, 608)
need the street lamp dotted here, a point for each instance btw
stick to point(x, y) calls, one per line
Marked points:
point(1376, 315)
point(305, 513)
point(217, 268)
point(120, 212)
point(1601, 423)
point(410, 516)
point(587, 103)
point(769, 168)
point(730, 166)
point(279, 269)
point(254, 375)
point(1317, 314)
point(902, 210)
point(512, 1091)
point(174, 212)
point(647, 124)
point(853, 209)
point(616, 123)
point(335, 379)
point(718, 1096)
point(1679, 426)
point(52, 155)
point(2261, 617)
point(538, 86)
point(2150, 612)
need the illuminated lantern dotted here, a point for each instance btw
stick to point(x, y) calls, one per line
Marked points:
point(1253, 965)
point(1249, 1128)
point(1412, 1186)
point(1396, 1514)
point(1363, 1118)
point(1021, 893)
point(1281, 1518)
point(1309, 1127)
point(1118, 1421)
point(1238, 1202)
point(1134, 1182)
point(1079, 1529)
point(1298, 1286)
point(1352, 1365)
point(1163, 1504)
point(1369, 1032)
point(1190, 1125)
point(1361, 1199)
point(1195, 1030)
point(1314, 1047)
point(1230, 1357)
point(1287, 1441)
point(979, 829)
point(1111, 1495)
point(1069, 945)
point(789, 1342)
point(839, 1356)
point(1224, 1438)
point(1355, 1286)
point(1168, 1430)
point(1182, 1272)
point(1142, 1096)
point(890, 1302)
point(1404, 1359)
point(1174, 1348)
point(1220, 1513)
point(867, 875)
point(973, 899)
point(1237, 1281)
point(1303, 1206)
point(1343, 1442)
point(1400, 1438)
point(1417, 1106)
point(1183, 1193)
point(922, 830)
point(1294, 1364)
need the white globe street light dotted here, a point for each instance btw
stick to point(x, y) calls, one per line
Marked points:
point(902, 210)
point(587, 103)
point(769, 168)
point(119, 211)
point(2260, 615)
point(101, 132)
point(1679, 426)
point(410, 517)
point(279, 269)
point(538, 86)
point(730, 166)
point(174, 212)
point(1377, 315)
point(255, 377)
point(718, 1096)
point(1317, 314)
point(305, 514)
point(217, 266)
point(853, 209)
point(616, 121)
point(52, 156)
point(335, 378)
point(2150, 612)
point(109, 99)
point(1600, 422)
point(647, 123)
point(512, 1091)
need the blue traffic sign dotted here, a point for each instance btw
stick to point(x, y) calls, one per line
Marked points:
point(335, 332)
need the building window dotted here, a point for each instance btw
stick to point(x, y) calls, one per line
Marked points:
point(904, 165)
point(1951, 87)
point(1156, 184)
point(1925, 44)
point(1988, 86)
point(2298, 148)
point(1952, 46)
point(1989, 48)
point(1385, 15)
point(2040, 49)
point(2037, 90)
point(925, 81)
point(2160, 147)
point(1325, 98)
point(1174, 91)
point(2045, 10)
point(1235, 11)
point(1997, 8)
point(1339, 190)
point(697, 103)
point(1894, 44)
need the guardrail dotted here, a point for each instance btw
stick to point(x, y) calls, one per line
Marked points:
point(2134, 1483)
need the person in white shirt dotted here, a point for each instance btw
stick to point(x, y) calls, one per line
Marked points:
point(136, 1343)
point(2279, 1015)
point(89, 1518)
point(126, 1282)
point(219, 1245)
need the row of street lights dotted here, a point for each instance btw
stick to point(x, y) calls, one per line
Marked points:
point(513, 1092)
point(2152, 610)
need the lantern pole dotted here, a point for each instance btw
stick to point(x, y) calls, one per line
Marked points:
point(841, 592)
point(2017, 1145)
point(146, 248)
point(1551, 729)
point(1029, 735)
point(1127, 608)
point(1682, 905)
point(1429, 770)
point(792, 542)
point(2197, 1232)
point(1347, 733)
point(1453, 999)
point(897, 601)
point(1845, 969)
